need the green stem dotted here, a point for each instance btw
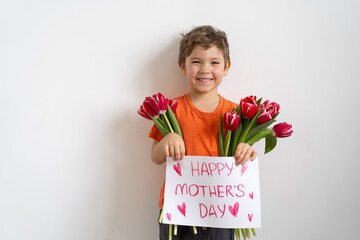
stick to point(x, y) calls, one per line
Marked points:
point(175, 229)
point(160, 125)
point(237, 233)
point(168, 123)
point(161, 216)
point(195, 230)
point(247, 231)
point(170, 232)
point(253, 231)
point(243, 233)
point(227, 143)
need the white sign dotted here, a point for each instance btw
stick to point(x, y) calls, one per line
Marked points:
point(212, 192)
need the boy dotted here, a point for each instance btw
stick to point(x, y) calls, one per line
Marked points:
point(204, 60)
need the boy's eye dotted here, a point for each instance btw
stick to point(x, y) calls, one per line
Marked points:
point(195, 61)
point(215, 62)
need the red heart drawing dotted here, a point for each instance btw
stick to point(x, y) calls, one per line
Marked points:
point(168, 216)
point(234, 210)
point(250, 216)
point(182, 209)
point(177, 168)
point(251, 195)
point(243, 169)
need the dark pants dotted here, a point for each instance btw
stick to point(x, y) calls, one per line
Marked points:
point(187, 233)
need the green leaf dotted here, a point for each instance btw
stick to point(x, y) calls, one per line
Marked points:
point(259, 136)
point(173, 121)
point(160, 126)
point(238, 109)
point(231, 143)
point(221, 137)
point(270, 143)
point(258, 129)
point(258, 102)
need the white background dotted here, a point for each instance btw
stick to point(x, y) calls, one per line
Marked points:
point(74, 154)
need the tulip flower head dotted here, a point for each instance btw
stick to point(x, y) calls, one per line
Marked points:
point(173, 104)
point(143, 113)
point(282, 130)
point(268, 112)
point(231, 121)
point(149, 107)
point(155, 105)
point(161, 111)
point(248, 106)
point(161, 102)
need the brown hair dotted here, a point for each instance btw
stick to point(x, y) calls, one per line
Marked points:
point(205, 37)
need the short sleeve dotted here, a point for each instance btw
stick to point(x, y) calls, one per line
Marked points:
point(155, 133)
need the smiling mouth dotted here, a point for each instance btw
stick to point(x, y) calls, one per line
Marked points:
point(204, 79)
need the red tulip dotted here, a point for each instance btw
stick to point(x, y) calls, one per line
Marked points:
point(268, 112)
point(156, 105)
point(231, 121)
point(161, 102)
point(248, 107)
point(282, 130)
point(143, 113)
point(173, 104)
point(151, 107)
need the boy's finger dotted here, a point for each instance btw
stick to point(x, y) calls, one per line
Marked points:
point(246, 157)
point(253, 156)
point(174, 151)
point(171, 151)
point(242, 155)
point(237, 155)
point(182, 151)
point(166, 151)
point(238, 161)
point(177, 153)
point(238, 151)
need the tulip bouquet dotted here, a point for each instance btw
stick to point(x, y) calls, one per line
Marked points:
point(161, 111)
point(250, 123)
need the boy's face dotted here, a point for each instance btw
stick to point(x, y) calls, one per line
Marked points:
point(204, 69)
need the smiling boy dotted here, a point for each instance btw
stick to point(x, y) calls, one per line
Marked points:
point(204, 61)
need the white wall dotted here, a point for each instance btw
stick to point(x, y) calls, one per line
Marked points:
point(74, 154)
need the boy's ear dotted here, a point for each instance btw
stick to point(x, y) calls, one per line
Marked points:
point(182, 68)
point(226, 69)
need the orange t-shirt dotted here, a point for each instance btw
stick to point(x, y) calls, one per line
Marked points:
point(200, 129)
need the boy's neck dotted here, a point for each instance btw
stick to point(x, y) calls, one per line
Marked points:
point(207, 102)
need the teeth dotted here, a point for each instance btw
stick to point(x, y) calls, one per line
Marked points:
point(204, 79)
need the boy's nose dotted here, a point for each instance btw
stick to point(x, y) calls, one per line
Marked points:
point(205, 68)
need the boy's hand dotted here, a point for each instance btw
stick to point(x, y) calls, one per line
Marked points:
point(243, 152)
point(174, 146)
